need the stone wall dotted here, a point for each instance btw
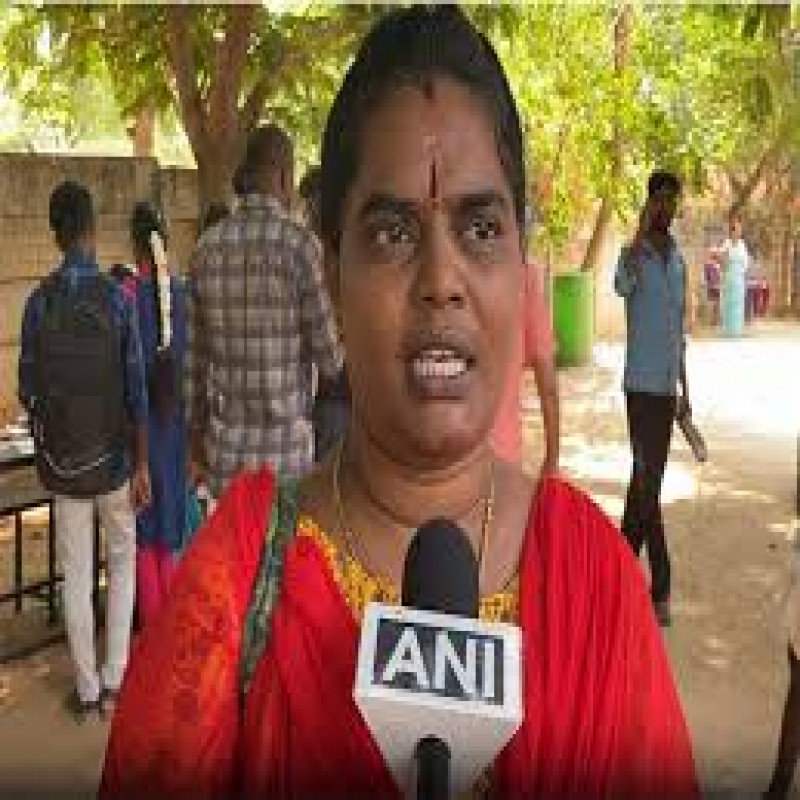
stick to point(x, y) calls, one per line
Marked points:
point(27, 248)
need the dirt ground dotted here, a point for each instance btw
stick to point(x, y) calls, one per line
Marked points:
point(729, 524)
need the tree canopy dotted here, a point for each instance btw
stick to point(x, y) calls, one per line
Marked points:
point(606, 91)
point(222, 68)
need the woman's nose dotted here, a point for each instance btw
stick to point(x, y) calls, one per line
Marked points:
point(440, 270)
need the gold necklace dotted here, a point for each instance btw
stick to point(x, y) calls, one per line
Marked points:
point(349, 532)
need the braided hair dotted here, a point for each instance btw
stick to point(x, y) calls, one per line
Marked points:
point(145, 220)
point(162, 378)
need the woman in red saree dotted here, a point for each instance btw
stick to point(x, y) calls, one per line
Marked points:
point(422, 214)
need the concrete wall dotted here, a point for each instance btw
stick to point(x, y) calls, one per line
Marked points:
point(27, 249)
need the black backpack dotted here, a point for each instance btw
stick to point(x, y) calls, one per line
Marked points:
point(79, 420)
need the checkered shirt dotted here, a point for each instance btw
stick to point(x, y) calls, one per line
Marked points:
point(259, 320)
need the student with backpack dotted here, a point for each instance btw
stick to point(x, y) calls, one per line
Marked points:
point(81, 379)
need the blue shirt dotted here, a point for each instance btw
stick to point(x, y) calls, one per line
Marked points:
point(655, 309)
point(78, 267)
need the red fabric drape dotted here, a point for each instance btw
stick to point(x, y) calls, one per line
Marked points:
point(602, 718)
point(303, 735)
point(176, 724)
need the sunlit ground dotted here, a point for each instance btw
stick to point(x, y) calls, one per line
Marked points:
point(753, 383)
point(745, 396)
point(729, 526)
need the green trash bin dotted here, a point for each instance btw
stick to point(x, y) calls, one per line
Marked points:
point(573, 318)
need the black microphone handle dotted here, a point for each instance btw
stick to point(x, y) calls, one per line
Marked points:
point(433, 769)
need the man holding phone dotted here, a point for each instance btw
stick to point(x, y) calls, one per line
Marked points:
point(651, 277)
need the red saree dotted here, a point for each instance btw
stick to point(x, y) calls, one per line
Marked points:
point(602, 715)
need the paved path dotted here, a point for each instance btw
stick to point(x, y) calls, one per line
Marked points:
point(729, 524)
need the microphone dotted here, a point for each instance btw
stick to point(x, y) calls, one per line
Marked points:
point(440, 691)
point(440, 574)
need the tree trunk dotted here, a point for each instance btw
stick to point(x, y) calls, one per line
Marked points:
point(214, 180)
point(786, 270)
point(605, 214)
point(743, 190)
point(142, 132)
point(602, 223)
point(211, 114)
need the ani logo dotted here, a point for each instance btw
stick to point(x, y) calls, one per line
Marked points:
point(451, 663)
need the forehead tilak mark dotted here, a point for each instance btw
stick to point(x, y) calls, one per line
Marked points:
point(434, 184)
point(431, 146)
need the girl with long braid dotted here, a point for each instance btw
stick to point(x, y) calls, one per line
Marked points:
point(161, 528)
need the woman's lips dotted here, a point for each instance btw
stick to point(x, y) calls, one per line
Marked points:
point(439, 373)
point(439, 364)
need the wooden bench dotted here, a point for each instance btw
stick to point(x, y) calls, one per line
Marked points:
point(20, 491)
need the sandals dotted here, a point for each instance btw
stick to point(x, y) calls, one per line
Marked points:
point(108, 701)
point(81, 710)
point(663, 612)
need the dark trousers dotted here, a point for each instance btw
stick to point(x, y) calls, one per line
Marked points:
point(650, 420)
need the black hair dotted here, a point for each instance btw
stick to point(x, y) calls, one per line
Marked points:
point(71, 213)
point(122, 272)
point(267, 146)
point(145, 219)
point(162, 381)
point(410, 47)
point(661, 182)
point(310, 190)
point(216, 212)
point(735, 215)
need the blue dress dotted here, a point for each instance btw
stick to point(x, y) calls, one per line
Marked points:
point(163, 522)
point(734, 288)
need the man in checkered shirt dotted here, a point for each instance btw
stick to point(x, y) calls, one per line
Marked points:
point(260, 318)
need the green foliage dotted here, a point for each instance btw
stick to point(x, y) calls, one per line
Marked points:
point(696, 95)
point(69, 86)
point(703, 87)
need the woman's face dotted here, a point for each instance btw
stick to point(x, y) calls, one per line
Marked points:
point(428, 277)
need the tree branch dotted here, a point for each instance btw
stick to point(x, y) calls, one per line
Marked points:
point(254, 103)
point(229, 61)
point(748, 186)
point(184, 70)
point(321, 34)
point(623, 24)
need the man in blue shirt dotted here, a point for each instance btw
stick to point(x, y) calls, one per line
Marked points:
point(63, 420)
point(651, 277)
